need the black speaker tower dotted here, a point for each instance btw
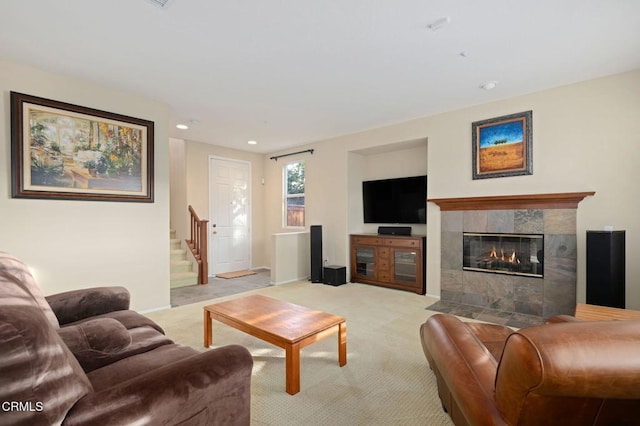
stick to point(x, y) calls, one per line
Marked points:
point(605, 268)
point(316, 253)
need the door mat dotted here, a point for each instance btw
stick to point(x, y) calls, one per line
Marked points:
point(235, 274)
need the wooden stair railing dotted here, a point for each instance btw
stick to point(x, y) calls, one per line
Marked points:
point(198, 245)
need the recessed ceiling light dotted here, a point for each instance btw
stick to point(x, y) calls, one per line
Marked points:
point(161, 3)
point(182, 126)
point(439, 23)
point(489, 85)
point(252, 143)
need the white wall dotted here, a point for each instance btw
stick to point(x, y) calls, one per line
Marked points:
point(585, 138)
point(290, 253)
point(326, 199)
point(179, 216)
point(76, 244)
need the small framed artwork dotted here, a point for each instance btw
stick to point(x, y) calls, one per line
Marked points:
point(71, 152)
point(502, 146)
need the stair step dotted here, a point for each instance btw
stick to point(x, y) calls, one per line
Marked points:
point(183, 279)
point(182, 273)
point(178, 254)
point(178, 266)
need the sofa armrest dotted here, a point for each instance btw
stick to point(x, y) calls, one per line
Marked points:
point(212, 387)
point(575, 369)
point(75, 305)
point(467, 368)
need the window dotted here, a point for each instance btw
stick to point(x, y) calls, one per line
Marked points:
point(294, 195)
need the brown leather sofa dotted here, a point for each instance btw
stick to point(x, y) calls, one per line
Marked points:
point(566, 372)
point(83, 358)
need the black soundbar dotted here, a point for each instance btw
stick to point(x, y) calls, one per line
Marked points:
point(394, 230)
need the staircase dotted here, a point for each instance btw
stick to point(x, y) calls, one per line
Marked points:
point(182, 273)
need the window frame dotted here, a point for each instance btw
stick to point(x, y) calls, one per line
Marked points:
point(286, 196)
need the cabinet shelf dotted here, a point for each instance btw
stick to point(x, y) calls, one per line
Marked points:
point(405, 278)
point(391, 261)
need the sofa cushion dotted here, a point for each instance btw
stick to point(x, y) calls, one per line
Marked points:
point(130, 320)
point(133, 366)
point(102, 335)
point(103, 341)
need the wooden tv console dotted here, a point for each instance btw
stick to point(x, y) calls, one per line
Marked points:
point(393, 261)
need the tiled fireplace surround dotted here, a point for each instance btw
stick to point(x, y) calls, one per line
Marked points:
point(509, 299)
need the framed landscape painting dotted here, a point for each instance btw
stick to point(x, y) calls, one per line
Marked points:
point(502, 146)
point(65, 151)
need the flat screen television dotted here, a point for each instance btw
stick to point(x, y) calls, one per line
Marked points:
point(400, 200)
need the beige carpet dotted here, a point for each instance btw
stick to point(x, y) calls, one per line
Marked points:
point(386, 381)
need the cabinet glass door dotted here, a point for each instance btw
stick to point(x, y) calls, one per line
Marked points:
point(365, 264)
point(405, 266)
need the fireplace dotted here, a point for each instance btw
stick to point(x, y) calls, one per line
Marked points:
point(512, 254)
point(495, 295)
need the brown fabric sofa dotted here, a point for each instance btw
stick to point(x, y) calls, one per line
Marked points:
point(567, 372)
point(83, 358)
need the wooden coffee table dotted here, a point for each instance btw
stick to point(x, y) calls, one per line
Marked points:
point(289, 326)
point(587, 312)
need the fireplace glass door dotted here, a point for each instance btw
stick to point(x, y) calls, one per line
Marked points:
point(515, 254)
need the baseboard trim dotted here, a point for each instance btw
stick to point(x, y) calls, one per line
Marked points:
point(295, 280)
point(148, 311)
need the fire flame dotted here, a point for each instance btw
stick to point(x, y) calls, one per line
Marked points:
point(513, 258)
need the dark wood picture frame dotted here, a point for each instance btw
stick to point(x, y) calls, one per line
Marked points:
point(65, 151)
point(502, 146)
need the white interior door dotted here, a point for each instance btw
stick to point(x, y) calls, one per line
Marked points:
point(229, 213)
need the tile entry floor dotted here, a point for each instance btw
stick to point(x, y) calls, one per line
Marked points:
point(479, 313)
point(218, 287)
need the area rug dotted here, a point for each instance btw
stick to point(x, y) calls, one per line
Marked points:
point(235, 274)
point(386, 381)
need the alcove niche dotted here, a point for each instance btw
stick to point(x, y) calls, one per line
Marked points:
point(393, 160)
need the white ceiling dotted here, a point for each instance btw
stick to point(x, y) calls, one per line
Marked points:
point(286, 73)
